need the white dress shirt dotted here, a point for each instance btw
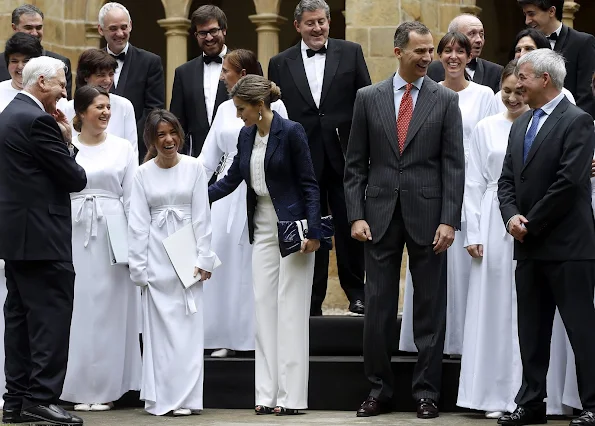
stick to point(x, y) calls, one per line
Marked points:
point(120, 64)
point(558, 31)
point(257, 178)
point(314, 67)
point(211, 76)
point(399, 88)
point(547, 109)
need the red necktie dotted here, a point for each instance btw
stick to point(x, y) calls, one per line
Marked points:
point(404, 118)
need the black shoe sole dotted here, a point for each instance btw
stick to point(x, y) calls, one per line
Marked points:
point(32, 418)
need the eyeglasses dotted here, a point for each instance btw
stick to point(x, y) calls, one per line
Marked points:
point(203, 34)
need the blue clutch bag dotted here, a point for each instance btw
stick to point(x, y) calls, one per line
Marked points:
point(291, 234)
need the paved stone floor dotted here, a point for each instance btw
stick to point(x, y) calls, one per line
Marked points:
point(137, 417)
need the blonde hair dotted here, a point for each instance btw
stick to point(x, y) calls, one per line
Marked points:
point(253, 89)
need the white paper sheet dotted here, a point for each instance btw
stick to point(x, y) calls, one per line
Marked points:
point(117, 239)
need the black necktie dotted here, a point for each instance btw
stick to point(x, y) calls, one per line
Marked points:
point(209, 59)
point(472, 65)
point(553, 36)
point(311, 52)
point(119, 57)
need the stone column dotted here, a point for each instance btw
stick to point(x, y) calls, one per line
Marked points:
point(267, 28)
point(570, 8)
point(92, 36)
point(176, 32)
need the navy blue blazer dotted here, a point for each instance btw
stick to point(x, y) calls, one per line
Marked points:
point(289, 175)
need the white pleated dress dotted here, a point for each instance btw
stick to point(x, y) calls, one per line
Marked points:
point(104, 359)
point(163, 201)
point(476, 102)
point(229, 296)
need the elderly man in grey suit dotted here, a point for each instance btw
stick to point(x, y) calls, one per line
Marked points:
point(404, 182)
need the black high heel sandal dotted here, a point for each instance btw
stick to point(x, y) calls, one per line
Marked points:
point(282, 411)
point(262, 409)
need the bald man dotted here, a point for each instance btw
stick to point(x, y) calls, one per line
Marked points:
point(481, 71)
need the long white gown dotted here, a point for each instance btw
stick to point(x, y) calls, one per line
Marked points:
point(163, 201)
point(476, 102)
point(229, 296)
point(7, 93)
point(122, 123)
point(104, 359)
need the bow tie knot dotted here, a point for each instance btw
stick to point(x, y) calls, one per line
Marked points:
point(321, 51)
point(553, 36)
point(209, 59)
point(119, 57)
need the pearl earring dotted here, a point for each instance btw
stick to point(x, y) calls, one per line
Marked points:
point(259, 115)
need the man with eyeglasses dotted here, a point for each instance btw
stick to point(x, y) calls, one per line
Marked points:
point(29, 19)
point(197, 91)
point(139, 76)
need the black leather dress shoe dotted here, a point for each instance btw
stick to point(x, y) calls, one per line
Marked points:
point(12, 416)
point(373, 407)
point(524, 416)
point(357, 307)
point(427, 409)
point(587, 418)
point(50, 414)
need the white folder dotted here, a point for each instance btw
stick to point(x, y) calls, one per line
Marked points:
point(181, 249)
point(117, 239)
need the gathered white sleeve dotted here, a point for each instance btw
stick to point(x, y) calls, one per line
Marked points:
point(475, 187)
point(207, 260)
point(491, 106)
point(139, 225)
point(279, 107)
point(211, 152)
point(128, 180)
point(130, 130)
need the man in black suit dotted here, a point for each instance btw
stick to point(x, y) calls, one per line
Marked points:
point(29, 19)
point(139, 76)
point(37, 175)
point(481, 71)
point(545, 201)
point(577, 48)
point(319, 78)
point(198, 90)
point(404, 182)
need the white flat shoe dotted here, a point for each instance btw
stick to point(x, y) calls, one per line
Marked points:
point(182, 412)
point(102, 407)
point(82, 407)
point(196, 411)
point(222, 353)
point(494, 414)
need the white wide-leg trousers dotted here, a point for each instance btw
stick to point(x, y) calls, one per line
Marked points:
point(282, 291)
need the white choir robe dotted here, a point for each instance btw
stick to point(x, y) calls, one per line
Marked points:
point(7, 93)
point(229, 297)
point(476, 102)
point(163, 201)
point(104, 359)
point(122, 122)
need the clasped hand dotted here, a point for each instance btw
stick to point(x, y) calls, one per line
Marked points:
point(309, 245)
point(516, 227)
point(204, 275)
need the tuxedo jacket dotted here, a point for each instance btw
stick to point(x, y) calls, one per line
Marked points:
point(188, 103)
point(579, 51)
point(5, 75)
point(327, 126)
point(288, 170)
point(37, 175)
point(142, 82)
point(427, 178)
point(552, 189)
point(487, 73)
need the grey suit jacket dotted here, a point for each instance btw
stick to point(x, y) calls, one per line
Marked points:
point(428, 177)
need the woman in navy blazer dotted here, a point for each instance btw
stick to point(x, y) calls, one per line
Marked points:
point(274, 159)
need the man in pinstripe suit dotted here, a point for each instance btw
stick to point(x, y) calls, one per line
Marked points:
point(404, 182)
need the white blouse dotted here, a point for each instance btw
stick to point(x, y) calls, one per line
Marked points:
point(257, 178)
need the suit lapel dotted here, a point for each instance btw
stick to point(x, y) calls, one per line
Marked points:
point(274, 140)
point(295, 64)
point(119, 90)
point(386, 112)
point(479, 72)
point(333, 56)
point(425, 102)
point(559, 45)
point(198, 92)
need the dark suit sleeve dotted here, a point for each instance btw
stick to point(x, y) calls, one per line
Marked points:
point(584, 74)
point(176, 105)
point(155, 90)
point(231, 181)
point(357, 162)
point(302, 166)
point(363, 76)
point(68, 78)
point(575, 166)
point(453, 165)
point(506, 187)
point(53, 155)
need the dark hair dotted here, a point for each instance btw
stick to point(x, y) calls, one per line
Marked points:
point(255, 88)
point(205, 14)
point(540, 40)
point(92, 61)
point(22, 43)
point(402, 33)
point(156, 117)
point(243, 59)
point(83, 97)
point(545, 5)
point(454, 37)
point(26, 9)
point(508, 70)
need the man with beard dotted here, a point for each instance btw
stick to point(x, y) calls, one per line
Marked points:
point(197, 91)
point(29, 19)
point(481, 71)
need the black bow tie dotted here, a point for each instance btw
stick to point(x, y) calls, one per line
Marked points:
point(472, 65)
point(209, 59)
point(119, 57)
point(320, 51)
point(553, 36)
